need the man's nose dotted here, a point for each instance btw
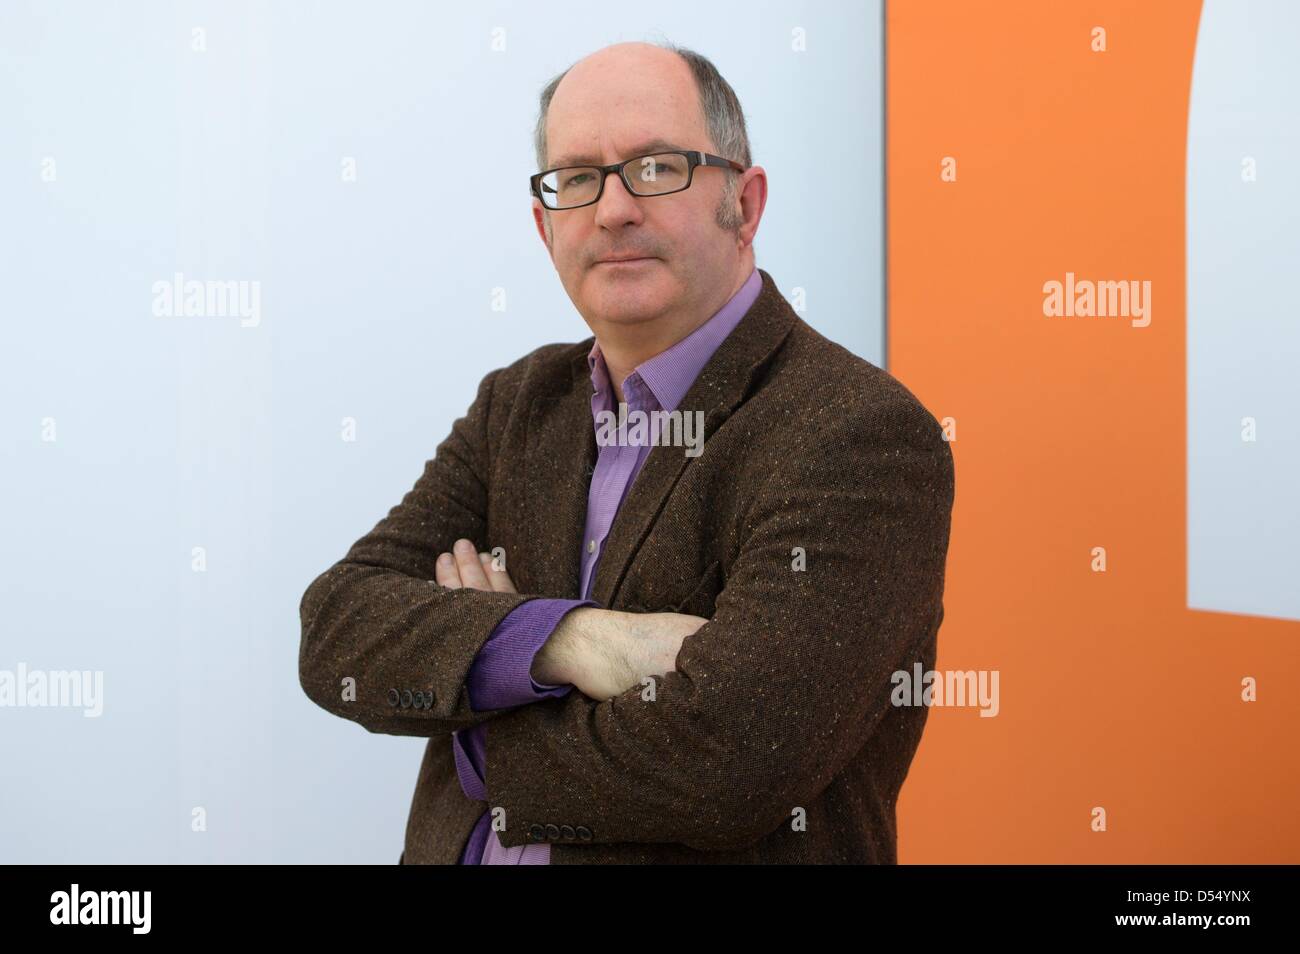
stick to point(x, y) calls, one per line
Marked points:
point(617, 205)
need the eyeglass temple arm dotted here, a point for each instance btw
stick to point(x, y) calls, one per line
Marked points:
point(707, 160)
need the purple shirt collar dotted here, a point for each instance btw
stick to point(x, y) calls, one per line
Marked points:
point(670, 374)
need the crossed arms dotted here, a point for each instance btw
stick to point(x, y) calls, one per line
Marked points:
point(391, 617)
point(601, 652)
point(764, 703)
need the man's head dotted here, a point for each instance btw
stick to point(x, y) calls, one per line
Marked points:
point(602, 110)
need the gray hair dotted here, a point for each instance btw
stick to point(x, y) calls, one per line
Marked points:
point(723, 117)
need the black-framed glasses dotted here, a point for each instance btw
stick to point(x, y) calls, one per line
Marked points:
point(659, 173)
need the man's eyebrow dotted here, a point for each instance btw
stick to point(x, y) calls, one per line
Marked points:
point(652, 145)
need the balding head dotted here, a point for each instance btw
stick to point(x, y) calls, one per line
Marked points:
point(716, 101)
point(624, 101)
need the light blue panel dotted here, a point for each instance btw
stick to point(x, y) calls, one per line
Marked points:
point(207, 138)
point(1243, 325)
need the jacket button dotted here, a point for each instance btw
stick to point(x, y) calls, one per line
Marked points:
point(536, 832)
point(428, 699)
point(552, 831)
point(406, 698)
point(394, 697)
point(584, 833)
point(567, 832)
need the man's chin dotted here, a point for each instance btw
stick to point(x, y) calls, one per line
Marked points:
point(626, 317)
point(626, 299)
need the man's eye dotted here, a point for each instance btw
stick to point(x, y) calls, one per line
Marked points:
point(575, 179)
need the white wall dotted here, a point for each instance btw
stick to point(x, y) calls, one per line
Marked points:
point(174, 432)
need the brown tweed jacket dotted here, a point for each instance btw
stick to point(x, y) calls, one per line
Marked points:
point(812, 533)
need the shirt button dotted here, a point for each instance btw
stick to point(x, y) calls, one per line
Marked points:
point(591, 546)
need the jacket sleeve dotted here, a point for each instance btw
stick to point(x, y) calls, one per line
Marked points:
point(383, 643)
point(786, 682)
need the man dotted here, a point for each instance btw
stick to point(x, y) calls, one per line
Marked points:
point(623, 644)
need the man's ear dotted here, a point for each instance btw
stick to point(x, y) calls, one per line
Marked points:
point(542, 220)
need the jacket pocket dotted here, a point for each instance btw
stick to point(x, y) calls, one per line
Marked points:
point(697, 601)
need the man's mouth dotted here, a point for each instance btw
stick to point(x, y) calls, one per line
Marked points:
point(624, 262)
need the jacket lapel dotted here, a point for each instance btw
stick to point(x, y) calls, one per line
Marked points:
point(560, 458)
point(722, 385)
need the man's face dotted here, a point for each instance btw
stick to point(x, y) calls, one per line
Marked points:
point(607, 109)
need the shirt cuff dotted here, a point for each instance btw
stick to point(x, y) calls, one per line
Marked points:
point(500, 675)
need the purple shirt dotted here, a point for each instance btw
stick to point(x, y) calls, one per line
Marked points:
point(500, 675)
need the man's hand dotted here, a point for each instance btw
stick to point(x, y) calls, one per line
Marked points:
point(465, 568)
point(602, 652)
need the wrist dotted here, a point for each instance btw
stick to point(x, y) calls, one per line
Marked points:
point(564, 655)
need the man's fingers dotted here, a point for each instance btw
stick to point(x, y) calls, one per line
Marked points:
point(499, 579)
point(445, 572)
point(471, 570)
point(463, 568)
